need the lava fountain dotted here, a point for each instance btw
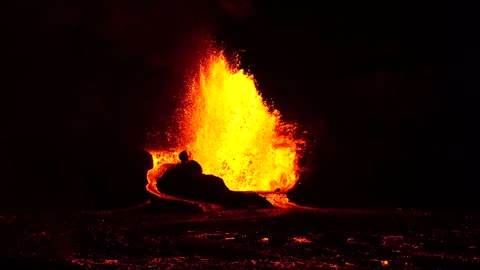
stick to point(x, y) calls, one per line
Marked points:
point(232, 132)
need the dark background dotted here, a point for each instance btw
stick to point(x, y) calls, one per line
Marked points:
point(388, 91)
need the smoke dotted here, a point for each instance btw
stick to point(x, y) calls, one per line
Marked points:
point(238, 8)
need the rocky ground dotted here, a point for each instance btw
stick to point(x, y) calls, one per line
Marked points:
point(166, 235)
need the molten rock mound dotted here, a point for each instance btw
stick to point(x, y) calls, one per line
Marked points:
point(207, 188)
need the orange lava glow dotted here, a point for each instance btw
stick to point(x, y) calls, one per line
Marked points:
point(232, 132)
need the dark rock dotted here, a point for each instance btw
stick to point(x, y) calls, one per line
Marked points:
point(31, 263)
point(163, 206)
point(180, 182)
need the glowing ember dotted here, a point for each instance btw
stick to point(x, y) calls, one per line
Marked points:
point(232, 132)
point(302, 240)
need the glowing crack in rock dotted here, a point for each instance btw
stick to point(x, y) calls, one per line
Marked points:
point(232, 132)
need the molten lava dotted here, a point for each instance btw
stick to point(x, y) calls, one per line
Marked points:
point(232, 132)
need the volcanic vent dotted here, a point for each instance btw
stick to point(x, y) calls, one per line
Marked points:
point(232, 132)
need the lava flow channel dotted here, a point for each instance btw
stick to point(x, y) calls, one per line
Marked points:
point(232, 132)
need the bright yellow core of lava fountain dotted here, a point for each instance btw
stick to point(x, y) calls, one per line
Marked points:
point(232, 132)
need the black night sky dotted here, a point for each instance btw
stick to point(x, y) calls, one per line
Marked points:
point(387, 90)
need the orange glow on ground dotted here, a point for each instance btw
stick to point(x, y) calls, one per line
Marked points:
point(232, 132)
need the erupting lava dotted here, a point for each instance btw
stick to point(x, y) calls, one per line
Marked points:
point(232, 132)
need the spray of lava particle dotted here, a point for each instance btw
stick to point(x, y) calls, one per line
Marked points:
point(232, 132)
